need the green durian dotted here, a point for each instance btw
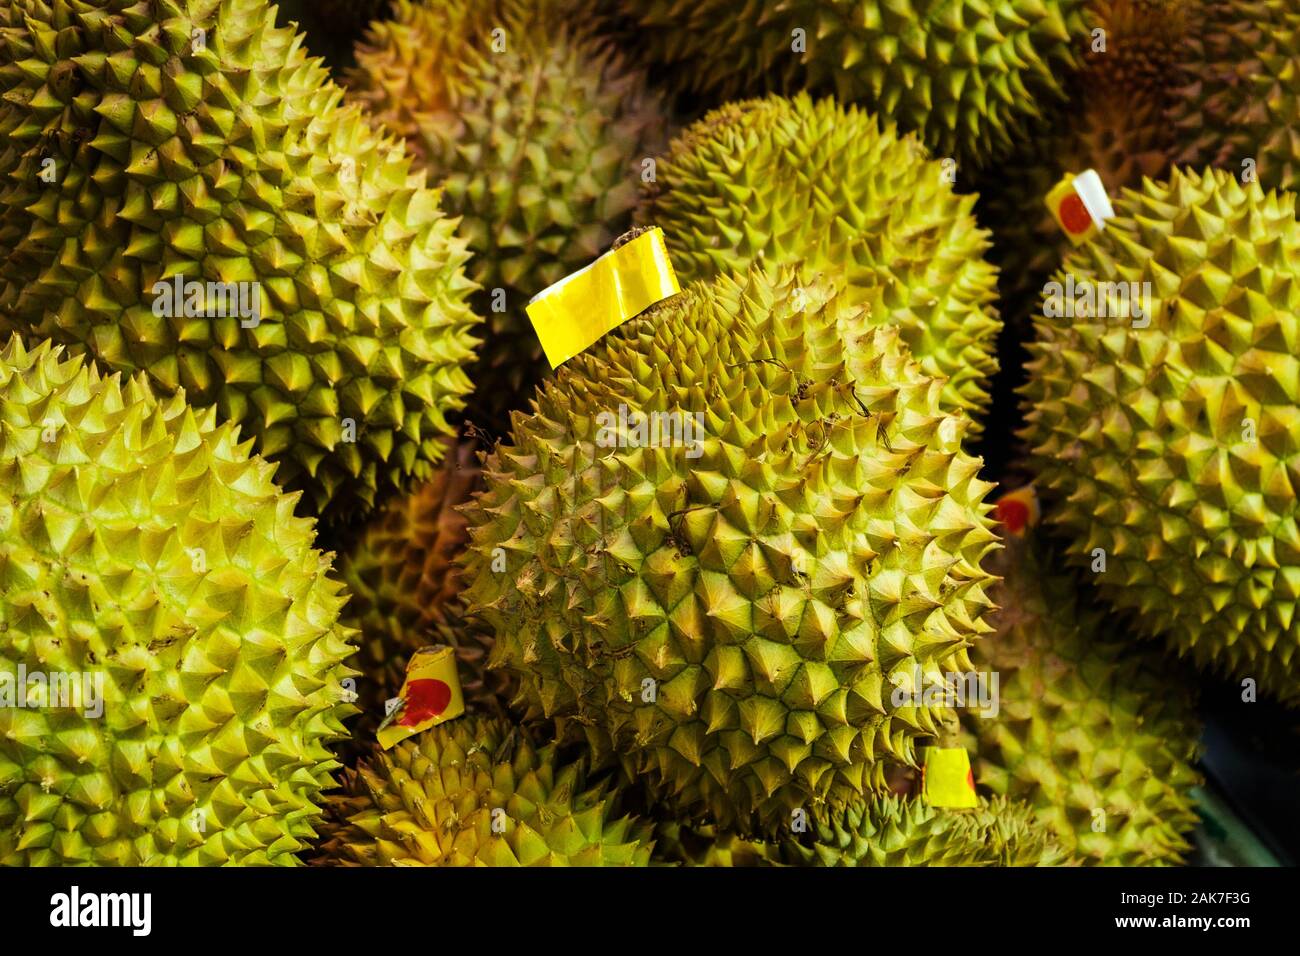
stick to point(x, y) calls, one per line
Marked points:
point(896, 831)
point(1236, 89)
point(538, 131)
point(194, 138)
point(968, 75)
point(1139, 46)
point(1166, 436)
point(143, 551)
point(722, 608)
point(476, 791)
point(779, 181)
point(1099, 736)
point(400, 567)
point(884, 831)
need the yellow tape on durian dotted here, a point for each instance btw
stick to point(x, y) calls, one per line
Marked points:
point(575, 312)
point(946, 779)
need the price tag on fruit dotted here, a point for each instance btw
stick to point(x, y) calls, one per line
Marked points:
point(1080, 205)
point(430, 695)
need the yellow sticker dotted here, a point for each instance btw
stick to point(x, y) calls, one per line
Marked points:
point(430, 695)
point(1080, 205)
point(946, 779)
point(571, 315)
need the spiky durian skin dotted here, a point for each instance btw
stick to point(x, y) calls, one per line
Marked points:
point(231, 160)
point(477, 791)
point(1237, 88)
point(400, 567)
point(897, 831)
point(882, 831)
point(536, 129)
point(402, 572)
point(1171, 446)
point(1143, 43)
point(967, 74)
point(778, 181)
point(1090, 729)
point(140, 545)
point(725, 623)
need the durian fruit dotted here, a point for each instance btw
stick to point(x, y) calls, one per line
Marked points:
point(884, 831)
point(400, 567)
point(148, 563)
point(778, 181)
point(402, 572)
point(1097, 735)
point(404, 579)
point(537, 129)
point(898, 831)
point(726, 526)
point(1236, 91)
point(1165, 431)
point(1140, 43)
point(476, 791)
point(967, 74)
point(194, 140)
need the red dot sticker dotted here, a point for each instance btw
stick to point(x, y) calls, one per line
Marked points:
point(1074, 214)
point(1013, 513)
point(425, 699)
